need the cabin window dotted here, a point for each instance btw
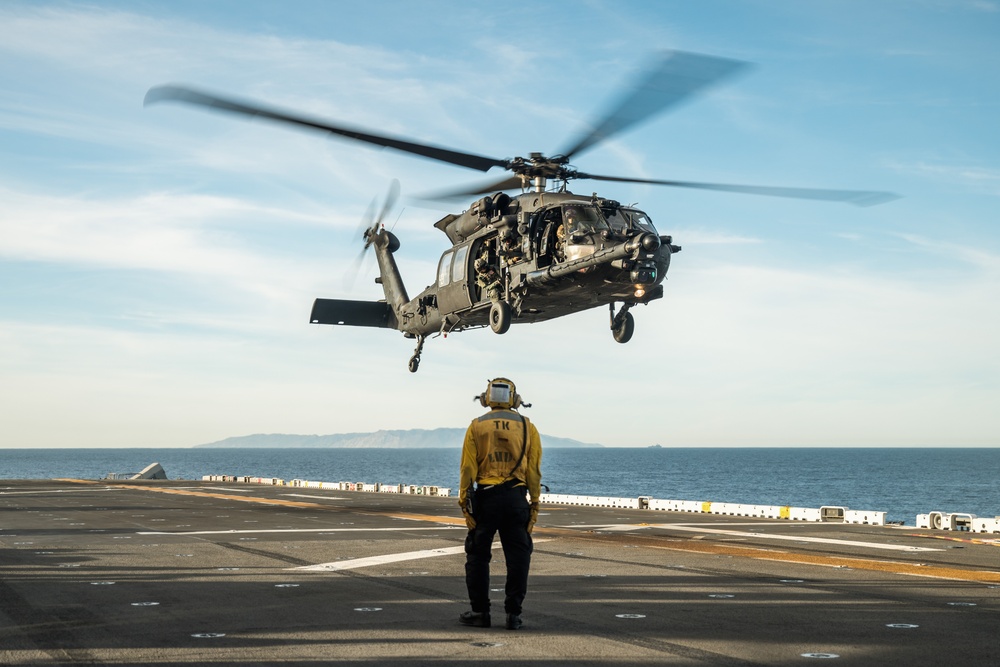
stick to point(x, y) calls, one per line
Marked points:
point(444, 268)
point(458, 268)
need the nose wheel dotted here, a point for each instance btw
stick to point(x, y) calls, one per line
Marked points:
point(622, 324)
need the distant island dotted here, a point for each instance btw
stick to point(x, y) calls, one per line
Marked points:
point(397, 439)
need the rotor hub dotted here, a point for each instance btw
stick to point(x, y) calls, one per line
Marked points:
point(537, 170)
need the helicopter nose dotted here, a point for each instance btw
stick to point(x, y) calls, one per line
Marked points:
point(650, 242)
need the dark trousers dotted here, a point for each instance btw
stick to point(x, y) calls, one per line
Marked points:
point(502, 509)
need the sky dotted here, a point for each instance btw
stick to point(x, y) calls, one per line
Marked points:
point(158, 265)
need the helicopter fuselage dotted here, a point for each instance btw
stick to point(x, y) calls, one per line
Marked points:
point(532, 257)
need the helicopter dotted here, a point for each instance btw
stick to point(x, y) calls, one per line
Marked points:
point(544, 251)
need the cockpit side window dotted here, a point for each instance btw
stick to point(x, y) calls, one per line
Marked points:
point(625, 219)
point(619, 223)
point(458, 269)
point(640, 220)
point(444, 268)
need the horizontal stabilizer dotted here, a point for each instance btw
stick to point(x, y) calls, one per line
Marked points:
point(351, 313)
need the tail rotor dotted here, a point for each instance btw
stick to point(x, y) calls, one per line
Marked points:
point(370, 227)
point(376, 224)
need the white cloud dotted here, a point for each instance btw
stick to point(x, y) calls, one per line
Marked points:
point(983, 179)
point(978, 258)
point(984, 6)
point(183, 234)
point(703, 237)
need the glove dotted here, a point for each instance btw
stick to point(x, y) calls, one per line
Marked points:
point(466, 506)
point(534, 517)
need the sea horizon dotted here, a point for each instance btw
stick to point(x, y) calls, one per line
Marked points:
point(900, 481)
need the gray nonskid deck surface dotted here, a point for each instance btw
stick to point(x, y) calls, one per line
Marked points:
point(168, 573)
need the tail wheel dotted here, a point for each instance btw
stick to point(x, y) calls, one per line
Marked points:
point(624, 330)
point(415, 359)
point(500, 317)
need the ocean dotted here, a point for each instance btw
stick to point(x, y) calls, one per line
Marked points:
point(903, 482)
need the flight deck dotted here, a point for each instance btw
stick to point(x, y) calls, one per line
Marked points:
point(179, 572)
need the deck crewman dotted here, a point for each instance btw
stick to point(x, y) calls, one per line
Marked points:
point(501, 466)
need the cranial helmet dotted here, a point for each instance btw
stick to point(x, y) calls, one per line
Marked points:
point(500, 393)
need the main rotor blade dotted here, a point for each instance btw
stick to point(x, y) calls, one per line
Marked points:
point(676, 77)
point(509, 183)
point(190, 96)
point(856, 197)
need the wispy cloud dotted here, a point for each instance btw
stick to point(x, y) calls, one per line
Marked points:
point(702, 237)
point(154, 232)
point(983, 179)
point(979, 258)
point(985, 6)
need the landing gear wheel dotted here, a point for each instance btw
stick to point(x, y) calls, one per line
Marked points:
point(624, 330)
point(415, 359)
point(500, 317)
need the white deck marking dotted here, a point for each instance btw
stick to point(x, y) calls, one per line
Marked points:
point(380, 560)
point(792, 538)
point(700, 528)
point(211, 488)
point(302, 495)
point(297, 530)
point(26, 493)
point(215, 488)
point(388, 558)
point(755, 524)
point(611, 527)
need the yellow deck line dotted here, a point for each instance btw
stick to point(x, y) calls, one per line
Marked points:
point(871, 564)
point(967, 540)
point(451, 520)
point(203, 494)
point(275, 501)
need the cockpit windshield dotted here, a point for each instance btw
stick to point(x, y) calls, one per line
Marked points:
point(581, 219)
point(625, 219)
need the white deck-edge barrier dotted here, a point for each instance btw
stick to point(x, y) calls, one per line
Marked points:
point(963, 521)
point(824, 514)
point(411, 489)
point(986, 525)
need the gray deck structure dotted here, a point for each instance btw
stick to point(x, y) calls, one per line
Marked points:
point(171, 573)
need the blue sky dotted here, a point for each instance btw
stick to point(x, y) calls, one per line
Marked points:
point(158, 265)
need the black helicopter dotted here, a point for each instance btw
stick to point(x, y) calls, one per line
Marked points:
point(540, 254)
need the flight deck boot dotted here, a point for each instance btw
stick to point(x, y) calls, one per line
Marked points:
point(475, 619)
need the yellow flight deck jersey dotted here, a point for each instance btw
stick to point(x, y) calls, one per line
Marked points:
point(493, 445)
